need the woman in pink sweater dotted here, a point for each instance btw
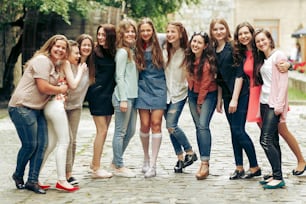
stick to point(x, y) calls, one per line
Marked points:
point(273, 102)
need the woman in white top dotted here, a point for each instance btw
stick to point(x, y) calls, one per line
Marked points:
point(177, 88)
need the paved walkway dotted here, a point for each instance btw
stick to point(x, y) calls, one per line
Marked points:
point(167, 187)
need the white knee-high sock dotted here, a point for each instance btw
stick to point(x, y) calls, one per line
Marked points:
point(156, 142)
point(145, 141)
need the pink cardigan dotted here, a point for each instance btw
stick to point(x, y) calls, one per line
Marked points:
point(279, 87)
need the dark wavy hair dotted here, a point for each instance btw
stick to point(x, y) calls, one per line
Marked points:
point(239, 50)
point(208, 55)
point(259, 56)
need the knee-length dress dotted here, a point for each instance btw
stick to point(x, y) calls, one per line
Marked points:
point(152, 88)
point(253, 107)
point(99, 95)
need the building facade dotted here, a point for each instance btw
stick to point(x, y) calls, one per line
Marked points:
point(281, 17)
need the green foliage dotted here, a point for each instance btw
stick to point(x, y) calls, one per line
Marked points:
point(156, 10)
point(11, 10)
point(295, 94)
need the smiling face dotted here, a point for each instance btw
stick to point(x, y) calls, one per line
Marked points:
point(263, 43)
point(75, 55)
point(146, 32)
point(172, 34)
point(244, 36)
point(101, 37)
point(197, 45)
point(58, 50)
point(85, 48)
point(129, 35)
point(219, 32)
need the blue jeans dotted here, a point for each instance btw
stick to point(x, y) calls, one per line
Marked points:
point(240, 139)
point(125, 125)
point(202, 121)
point(177, 136)
point(31, 127)
point(269, 139)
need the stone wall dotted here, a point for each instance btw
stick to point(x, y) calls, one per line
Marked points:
point(8, 35)
point(197, 18)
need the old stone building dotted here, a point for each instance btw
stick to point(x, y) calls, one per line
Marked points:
point(281, 17)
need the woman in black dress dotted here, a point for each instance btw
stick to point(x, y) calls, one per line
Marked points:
point(99, 95)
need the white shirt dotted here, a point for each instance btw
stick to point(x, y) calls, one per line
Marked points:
point(266, 74)
point(177, 85)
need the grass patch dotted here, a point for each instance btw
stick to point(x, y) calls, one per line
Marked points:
point(295, 94)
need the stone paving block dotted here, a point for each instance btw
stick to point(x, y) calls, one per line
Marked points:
point(167, 187)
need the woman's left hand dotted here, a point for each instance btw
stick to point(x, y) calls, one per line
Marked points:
point(233, 106)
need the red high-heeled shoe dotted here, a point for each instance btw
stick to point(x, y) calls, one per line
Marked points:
point(60, 187)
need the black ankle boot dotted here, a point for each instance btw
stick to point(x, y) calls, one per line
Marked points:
point(179, 166)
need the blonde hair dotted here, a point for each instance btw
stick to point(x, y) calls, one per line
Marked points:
point(47, 46)
point(123, 26)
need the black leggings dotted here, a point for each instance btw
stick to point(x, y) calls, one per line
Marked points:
point(269, 139)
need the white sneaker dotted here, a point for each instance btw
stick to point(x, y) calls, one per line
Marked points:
point(150, 173)
point(101, 173)
point(124, 172)
point(146, 166)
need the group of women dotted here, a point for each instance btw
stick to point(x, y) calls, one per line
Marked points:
point(134, 68)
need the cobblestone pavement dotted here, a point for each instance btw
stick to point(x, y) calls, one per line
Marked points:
point(166, 187)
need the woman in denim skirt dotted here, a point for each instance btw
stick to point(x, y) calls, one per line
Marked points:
point(152, 92)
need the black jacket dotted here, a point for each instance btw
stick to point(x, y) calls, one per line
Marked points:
point(227, 73)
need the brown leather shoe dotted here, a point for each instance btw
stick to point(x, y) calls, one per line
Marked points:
point(203, 171)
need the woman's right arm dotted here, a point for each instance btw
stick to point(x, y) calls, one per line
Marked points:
point(47, 88)
point(121, 63)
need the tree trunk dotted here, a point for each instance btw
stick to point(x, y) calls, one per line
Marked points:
point(8, 76)
point(29, 35)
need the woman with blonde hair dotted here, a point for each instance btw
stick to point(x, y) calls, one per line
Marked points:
point(125, 93)
point(25, 108)
point(75, 98)
point(55, 113)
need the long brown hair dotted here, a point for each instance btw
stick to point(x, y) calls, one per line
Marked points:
point(208, 55)
point(183, 40)
point(239, 50)
point(157, 55)
point(259, 56)
point(89, 60)
point(110, 41)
